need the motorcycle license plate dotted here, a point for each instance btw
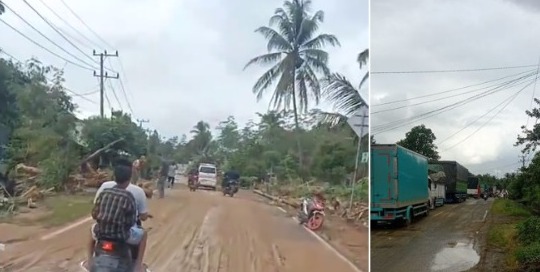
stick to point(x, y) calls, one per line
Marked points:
point(106, 262)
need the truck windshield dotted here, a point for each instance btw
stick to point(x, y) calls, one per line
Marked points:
point(207, 170)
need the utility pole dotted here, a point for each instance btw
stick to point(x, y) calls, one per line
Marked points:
point(102, 76)
point(141, 121)
point(522, 160)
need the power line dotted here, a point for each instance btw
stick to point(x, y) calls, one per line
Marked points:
point(453, 70)
point(473, 122)
point(115, 96)
point(451, 90)
point(56, 30)
point(446, 97)
point(44, 48)
point(70, 26)
point(534, 91)
point(123, 89)
point(510, 99)
point(402, 122)
point(86, 25)
point(45, 36)
point(82, 96)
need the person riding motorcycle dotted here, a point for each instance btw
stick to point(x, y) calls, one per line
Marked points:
point(229, 176)
point(106, 204)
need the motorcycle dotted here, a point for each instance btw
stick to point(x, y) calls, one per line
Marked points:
point(193, 184)
point(485, 196)
point(113, 256)
point(311, 214)
point(231, 188)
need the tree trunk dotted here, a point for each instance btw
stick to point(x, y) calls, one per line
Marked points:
point(297, 126)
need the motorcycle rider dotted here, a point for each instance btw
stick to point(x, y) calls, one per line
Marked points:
point(109, 213)
point(229, 176)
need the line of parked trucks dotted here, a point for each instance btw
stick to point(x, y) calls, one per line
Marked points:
point(405, 184)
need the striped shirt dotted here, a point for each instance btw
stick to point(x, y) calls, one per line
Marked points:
point(115, 212)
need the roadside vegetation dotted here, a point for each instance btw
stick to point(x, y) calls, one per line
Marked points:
point(294, 145)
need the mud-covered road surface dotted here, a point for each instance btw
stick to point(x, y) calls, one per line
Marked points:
point(448, 240)
point(191, 232)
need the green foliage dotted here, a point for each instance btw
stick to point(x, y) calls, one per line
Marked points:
point(529, 231)
point(529, 257)
point(421, 140)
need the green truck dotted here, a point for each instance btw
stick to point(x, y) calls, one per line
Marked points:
point(399, 184)
point(456, 180)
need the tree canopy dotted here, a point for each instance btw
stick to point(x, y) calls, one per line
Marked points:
point(421, 140)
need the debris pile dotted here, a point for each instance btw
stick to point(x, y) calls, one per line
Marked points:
point(291, 195)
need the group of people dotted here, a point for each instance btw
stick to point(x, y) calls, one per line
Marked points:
point(167, 173)
point(121, 205)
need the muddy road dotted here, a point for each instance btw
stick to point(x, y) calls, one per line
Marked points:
point(447, 240)
point(194, 231)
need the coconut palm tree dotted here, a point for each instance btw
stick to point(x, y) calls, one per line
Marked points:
point(296, 54)
point(343, 94)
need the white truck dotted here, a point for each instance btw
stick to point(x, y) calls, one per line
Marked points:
point(207, 176)
point(437, 187)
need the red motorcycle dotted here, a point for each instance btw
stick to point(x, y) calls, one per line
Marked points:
point(311, 213)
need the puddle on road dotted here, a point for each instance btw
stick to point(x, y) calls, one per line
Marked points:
point(455, 258)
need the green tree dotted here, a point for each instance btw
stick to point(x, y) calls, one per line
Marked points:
point(421, 140)
point(296, 55)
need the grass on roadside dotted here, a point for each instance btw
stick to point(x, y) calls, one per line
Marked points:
point(506, 207)
point(502, 234)
point(67, 208)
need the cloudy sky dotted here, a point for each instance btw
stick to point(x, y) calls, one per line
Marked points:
point(182, 59)
point(421, 35)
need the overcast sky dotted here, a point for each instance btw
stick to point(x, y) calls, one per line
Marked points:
point(182, 59)
point(440, 35)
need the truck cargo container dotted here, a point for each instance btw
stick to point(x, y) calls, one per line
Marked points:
point(437, 185)
point(473, 187)
point(399, 184)
point(456, 180)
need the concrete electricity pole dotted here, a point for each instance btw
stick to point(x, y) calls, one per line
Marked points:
point(522, 160)
point(141, 121)
point(102, 76)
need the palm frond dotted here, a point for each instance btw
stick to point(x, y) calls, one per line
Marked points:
point(266, 80)
point(265, 59)
point(308, 27)
point(364, 79)
point(275, 40)
point(342, 93)
point(362, 58)
point(331, 118)
point(321, 41)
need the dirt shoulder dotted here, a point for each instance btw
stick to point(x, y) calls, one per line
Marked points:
point(54, 211)
point(351, 240)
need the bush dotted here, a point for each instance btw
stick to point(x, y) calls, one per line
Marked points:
point(529, 231)
point(529, 257)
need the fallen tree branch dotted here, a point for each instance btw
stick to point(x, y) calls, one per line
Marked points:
point(99, 151)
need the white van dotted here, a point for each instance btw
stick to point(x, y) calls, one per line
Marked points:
point(207, 176)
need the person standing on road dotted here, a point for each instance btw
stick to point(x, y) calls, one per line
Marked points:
point(172, 174)
point(163, 174)
point(137, 167)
